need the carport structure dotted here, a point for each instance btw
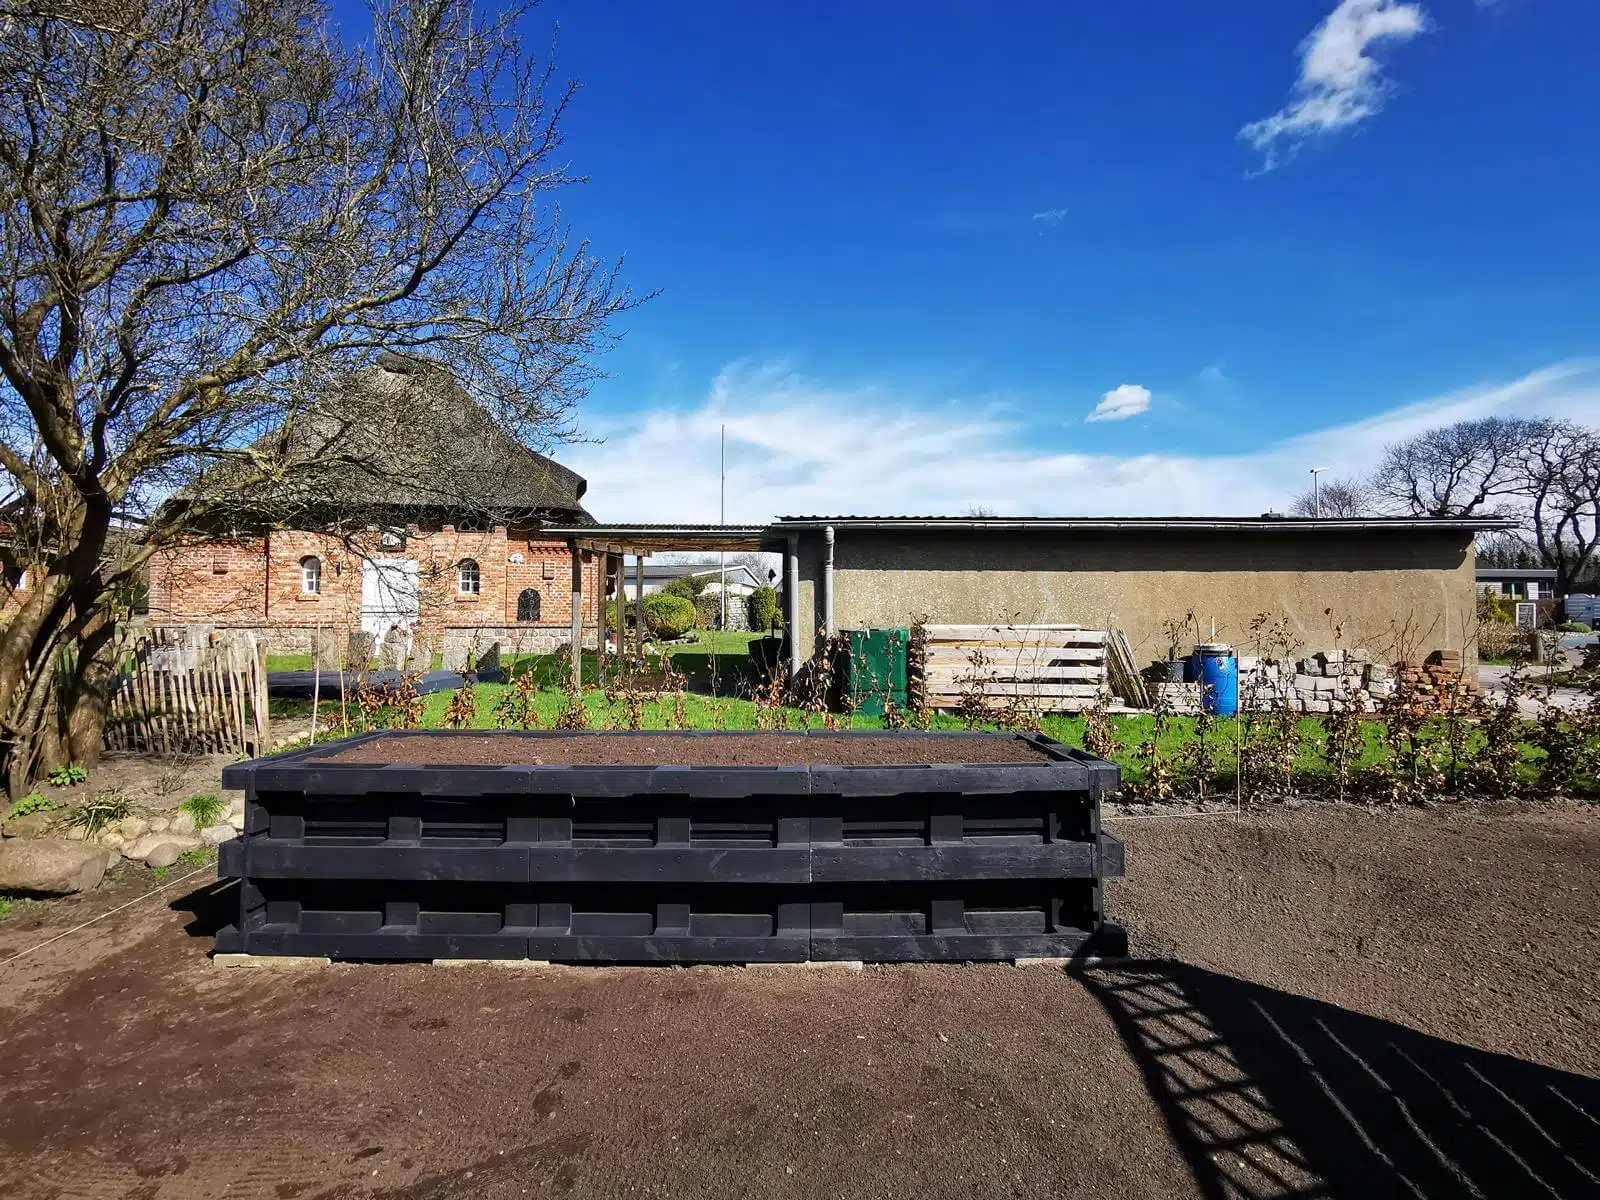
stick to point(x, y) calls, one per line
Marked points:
point(614, 542)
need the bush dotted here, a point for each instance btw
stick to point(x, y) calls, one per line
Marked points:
point(31, 803)
point(762, 609)
point(1573, 627)
point(689, 587)
point(668, 616)
point(706, 611)
point(616, 620)
point(1498, 609)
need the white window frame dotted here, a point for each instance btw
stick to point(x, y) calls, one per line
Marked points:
point(311, 575)
point(465, 585)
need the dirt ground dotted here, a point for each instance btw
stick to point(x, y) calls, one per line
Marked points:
point(1325, 1002)
point(722, 749)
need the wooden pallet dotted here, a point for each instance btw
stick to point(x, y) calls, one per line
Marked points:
point(1044, 668)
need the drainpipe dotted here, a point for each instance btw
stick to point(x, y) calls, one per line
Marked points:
point(791, 598)
point(827, 580)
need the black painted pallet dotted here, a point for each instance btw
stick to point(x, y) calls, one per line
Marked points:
point(673, 864)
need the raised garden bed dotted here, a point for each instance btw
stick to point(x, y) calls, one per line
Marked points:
point(675, 847)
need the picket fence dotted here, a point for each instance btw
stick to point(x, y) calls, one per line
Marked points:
point(174, 696)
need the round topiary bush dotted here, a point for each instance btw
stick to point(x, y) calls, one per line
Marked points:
point(762, 609)
point(667, 616)
point(1573, 627)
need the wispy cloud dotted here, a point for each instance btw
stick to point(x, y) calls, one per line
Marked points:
point(1050, 217)
point(796, 445)
point(1121, 402)
point(1341, 83)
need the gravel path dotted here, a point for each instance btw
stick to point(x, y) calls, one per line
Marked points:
point(1341, 1004)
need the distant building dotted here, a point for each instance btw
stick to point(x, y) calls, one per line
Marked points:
point(1518, 583)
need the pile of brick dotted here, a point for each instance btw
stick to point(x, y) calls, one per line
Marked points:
point(1438, 679)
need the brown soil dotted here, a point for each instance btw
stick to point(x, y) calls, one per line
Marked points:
point(1356, 1000)
point(715, 750)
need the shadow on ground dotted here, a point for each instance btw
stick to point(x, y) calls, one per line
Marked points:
point(209, 907)
point(1269, 1094)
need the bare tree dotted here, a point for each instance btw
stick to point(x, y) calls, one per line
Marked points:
point(216, 212)
point(1560, 468)
point(1346, 497)
point(1455, 470)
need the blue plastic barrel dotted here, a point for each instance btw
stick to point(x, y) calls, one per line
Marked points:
point(1216, 669)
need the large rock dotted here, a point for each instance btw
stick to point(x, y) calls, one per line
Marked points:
point(181, 822)
point(163, 855)
point(34, 825)
point(143, 848)
point(132, 827)
point(51, 866)
point(216, 835)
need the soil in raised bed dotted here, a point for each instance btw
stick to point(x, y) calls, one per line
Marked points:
point(730, 750)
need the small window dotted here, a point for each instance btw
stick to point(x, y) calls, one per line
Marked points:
point(311, 576)
point(473, 525)
point(392, 539)
point(528, 605)
point(467, 578)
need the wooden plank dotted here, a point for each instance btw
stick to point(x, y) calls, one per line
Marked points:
point(1019, 689)
point(1021, 671)
point(1011, 634)
point(1043, 656)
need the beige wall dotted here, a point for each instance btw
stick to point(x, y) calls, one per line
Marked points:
point(1395, 592)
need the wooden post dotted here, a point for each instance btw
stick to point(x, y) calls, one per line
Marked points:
point(258, 696)
point(638, 602)
point(604, 619)
point(577, 616)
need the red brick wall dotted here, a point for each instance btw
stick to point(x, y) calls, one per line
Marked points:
point(256, 581)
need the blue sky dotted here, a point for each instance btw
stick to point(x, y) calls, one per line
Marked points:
point(906, 250)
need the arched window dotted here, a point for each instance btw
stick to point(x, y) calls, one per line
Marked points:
point(311, 576)
point(467, 583)
point(528, 605)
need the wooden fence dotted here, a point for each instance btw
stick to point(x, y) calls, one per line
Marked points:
point(175, 697)
point(1044, 668)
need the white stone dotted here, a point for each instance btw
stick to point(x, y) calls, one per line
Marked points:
point(164, 855)
point(112, 840)
point(142, 848)
point(181, 822)
point(159, 824)
point(132, 827)
point(215, 835)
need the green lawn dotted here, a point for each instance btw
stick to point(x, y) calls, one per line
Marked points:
point(718, 712)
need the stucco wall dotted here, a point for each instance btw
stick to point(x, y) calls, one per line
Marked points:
point(1394, 592)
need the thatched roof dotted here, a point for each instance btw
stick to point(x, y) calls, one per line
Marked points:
point(401, 438)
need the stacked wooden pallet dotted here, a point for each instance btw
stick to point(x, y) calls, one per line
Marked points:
point(1046, 668)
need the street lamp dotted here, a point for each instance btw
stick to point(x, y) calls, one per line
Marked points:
point(1316, 491)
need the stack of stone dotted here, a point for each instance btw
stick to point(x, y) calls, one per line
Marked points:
point(1327, 682)
point(1180, 698)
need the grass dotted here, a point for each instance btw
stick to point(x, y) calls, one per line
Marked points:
point(204, 809)
point(709, 712)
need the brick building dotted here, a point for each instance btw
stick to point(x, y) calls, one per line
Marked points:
point(437, 558)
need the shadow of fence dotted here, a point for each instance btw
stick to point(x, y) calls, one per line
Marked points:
point(1269, 1094)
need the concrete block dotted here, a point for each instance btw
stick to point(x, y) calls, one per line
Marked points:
point(511, 963)
point(270, 962)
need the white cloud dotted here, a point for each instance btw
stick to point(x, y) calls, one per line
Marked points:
point(1051, 216)
point(1121, 402)
point(798, 446)
point(1340, 83)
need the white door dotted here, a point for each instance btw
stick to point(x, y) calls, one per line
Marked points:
point(391, 596)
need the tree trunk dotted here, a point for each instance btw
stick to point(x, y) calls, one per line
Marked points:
point(90, 695)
